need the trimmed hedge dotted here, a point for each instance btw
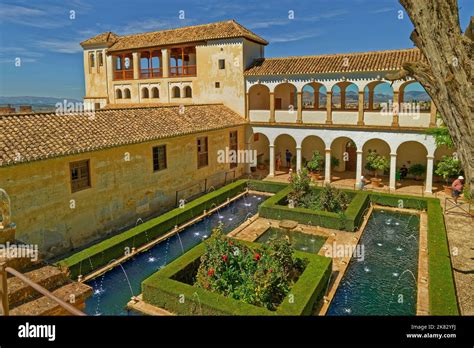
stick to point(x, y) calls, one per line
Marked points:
point(163, 290)
point(266, 186)
point(350, 220)
point(100, 254)
point(442, 290)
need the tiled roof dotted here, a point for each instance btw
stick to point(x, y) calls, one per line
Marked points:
point(219, 30)
point(350, 62)
point(31, 137)
point(108, 38)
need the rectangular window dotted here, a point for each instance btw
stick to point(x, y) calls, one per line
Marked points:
point(101, 59)
point(217, 85)
point(221, 64)
point(202, 152)
point(233, 145)
point(159, 158)
point(80, 175)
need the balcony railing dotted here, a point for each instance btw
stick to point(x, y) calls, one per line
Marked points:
point(186, 70)
point(151, 73)
point(123, 74)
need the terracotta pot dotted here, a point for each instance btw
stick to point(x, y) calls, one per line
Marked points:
point(376, 182)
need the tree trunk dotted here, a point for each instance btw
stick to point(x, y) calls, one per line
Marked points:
point(445, 73)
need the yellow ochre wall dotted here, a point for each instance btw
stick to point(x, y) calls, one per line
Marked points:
point(122, 191)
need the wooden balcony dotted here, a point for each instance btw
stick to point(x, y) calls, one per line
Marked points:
point(186, 70)
point(151, 73)
point(123, 74)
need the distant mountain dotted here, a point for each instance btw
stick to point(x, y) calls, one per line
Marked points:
point(38, 103)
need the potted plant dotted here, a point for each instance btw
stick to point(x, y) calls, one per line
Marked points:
point(417, 170)
point(375, 163)
point(334, 162)
point(447, 168)
point(315, 165)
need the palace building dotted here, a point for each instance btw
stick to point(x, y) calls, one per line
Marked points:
point(165, 103)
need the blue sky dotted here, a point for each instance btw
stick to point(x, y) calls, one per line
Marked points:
point(46, 39)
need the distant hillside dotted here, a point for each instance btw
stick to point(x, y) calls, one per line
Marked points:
point(38, 103)
point(352, 96)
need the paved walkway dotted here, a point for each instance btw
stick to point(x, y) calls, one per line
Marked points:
point(461, 242)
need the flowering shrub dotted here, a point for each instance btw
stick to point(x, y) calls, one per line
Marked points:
point(261, 277)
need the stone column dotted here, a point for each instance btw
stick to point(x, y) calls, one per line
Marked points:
point(395, 108)
point(247, 106)
point(329, 107)
point(299, 102)
point(343, 96)
point(165, 62)
point(248, 145)
point(136, 65)
point(433, 115)
point(360, 119)
point(272, 107)
point(358, 167)
point(393, 171)
point(371, 98)
point(429, 174)
point(272, 161)
point(316, 98)
point(298, 159)
point(327, 167)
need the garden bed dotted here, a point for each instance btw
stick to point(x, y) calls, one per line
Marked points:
point(349, 220)
point(171, 289)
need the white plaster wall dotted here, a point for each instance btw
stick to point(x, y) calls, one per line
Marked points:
point(285, 116)
point(417, 120)
point(259, 115)
point(344, 117)
point(314, 116)
point(376, 118)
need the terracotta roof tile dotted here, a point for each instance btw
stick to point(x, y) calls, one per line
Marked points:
point(30, 137)
point(108, 38)
point(219, 30)
point(350, 62)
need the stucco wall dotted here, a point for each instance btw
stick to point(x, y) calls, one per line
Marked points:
point(122, 191)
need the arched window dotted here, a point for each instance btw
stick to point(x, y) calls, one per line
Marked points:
point(126, 93)
point(188, 92)
point(176, 93)
point(155, 93)
point(91, 60)
point(118, 94)
point(145, 93)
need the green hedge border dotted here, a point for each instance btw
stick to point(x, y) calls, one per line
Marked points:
point(163, 291)
point(442, 290)
point(350, 220)
point(100, 254)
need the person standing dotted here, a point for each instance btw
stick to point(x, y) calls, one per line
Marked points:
point(288, 155)
point(457, 188)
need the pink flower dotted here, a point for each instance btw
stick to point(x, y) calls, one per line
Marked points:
point(256, 257)
point(210, 273)
point(225, 258)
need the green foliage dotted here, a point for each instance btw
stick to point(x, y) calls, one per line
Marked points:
point(448, 167)
point(334, 162)
point(441, 136)
point(417, 169)
point(376, 162)
point(316, 162)
point(333, 200)
point(261, 276)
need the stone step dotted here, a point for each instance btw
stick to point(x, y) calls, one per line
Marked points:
point(19, 256)
point(48, 277)
point(79, 292)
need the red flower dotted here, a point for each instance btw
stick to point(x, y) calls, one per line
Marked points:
point(225, 258)
point(270, 270)
point(210, 273)
point(256, 257)
point(231, 243)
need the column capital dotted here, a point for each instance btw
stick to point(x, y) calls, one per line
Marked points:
point(298, 148)
point(360, 152)
point(327, 150)
point(430, 157)
point(393, 154)
point(272, 145)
